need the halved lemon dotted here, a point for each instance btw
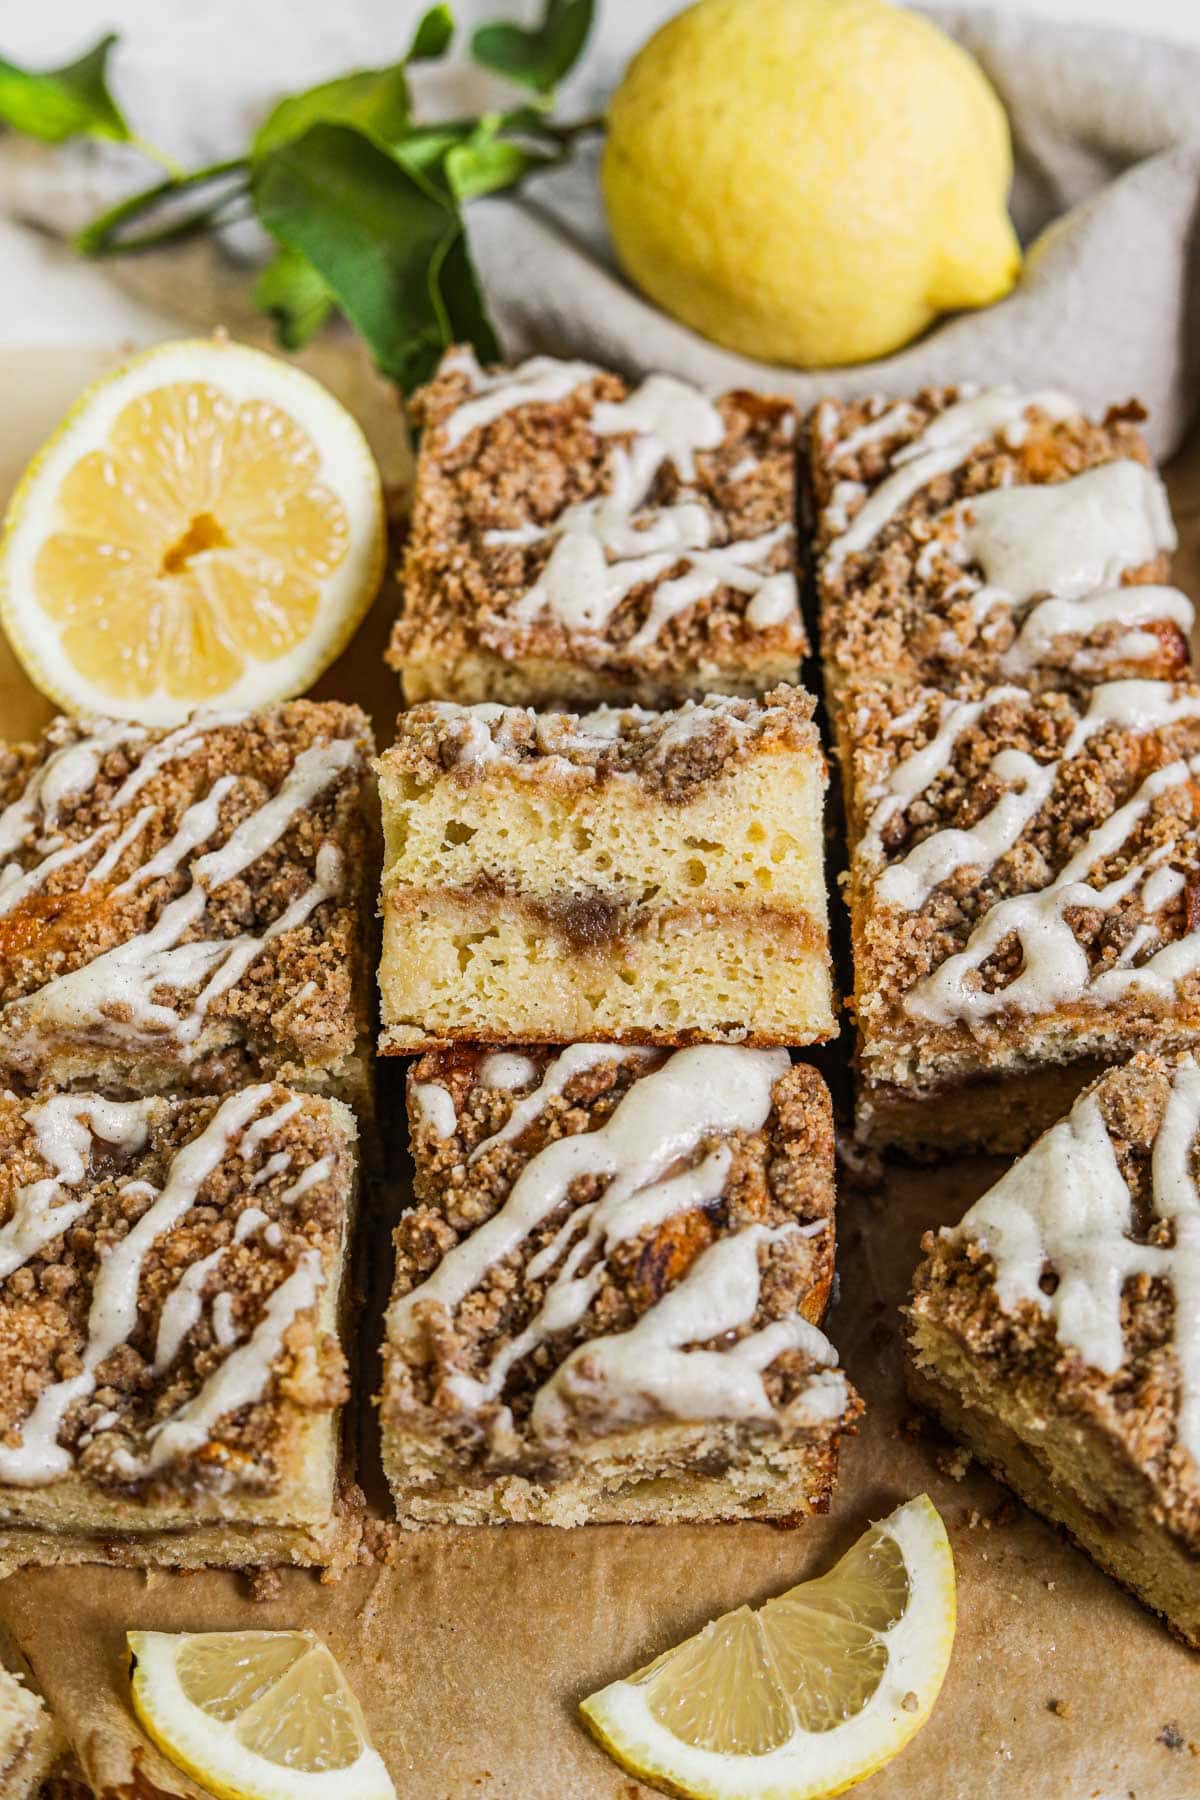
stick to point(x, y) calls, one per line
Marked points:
point(206, 527)
point(255, 1715)
point(807, 1696)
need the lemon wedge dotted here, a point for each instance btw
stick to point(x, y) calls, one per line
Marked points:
point(806, 1696)
point(206, 527)
point(255, 1715)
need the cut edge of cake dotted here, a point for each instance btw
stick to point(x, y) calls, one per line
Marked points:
point(621, 875)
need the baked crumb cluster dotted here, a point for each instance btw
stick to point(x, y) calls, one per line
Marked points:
point(967, 538)
point(1024, 883)
point(164, 1263)
point(671, 754)
point(1055, 1328)
point(1003, 659)
point(574, 538)
point(606, 1239)
point(185, 907)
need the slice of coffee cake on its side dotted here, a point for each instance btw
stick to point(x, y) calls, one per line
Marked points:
point(1023, 893)
point(188, 909)
point(578, 541)
point(1056, 1330)
point(171, 1281)
point(648, 877)
point(607, 1293)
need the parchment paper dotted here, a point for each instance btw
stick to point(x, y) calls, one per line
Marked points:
point(470, 1649)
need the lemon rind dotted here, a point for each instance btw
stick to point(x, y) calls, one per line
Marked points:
point(808, 1766)
point(206, 1749)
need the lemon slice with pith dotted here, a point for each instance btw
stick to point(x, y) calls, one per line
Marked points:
point(806, 1696)
point(256, 1715)
point(206, 527)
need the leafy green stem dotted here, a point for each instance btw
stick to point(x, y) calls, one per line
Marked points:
point(173, 170)
point(109, 236)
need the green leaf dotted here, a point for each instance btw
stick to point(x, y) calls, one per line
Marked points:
point(376, 101)
point(386, 239)
point(423, 149)
point(485, 163)
point(432, 36)
point(372, 100)
point(54, 104)
point(537, 57)
point(296, 297)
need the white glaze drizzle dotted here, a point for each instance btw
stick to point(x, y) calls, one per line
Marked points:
point(64, 1140)
point(275, 1164)
point(1068, 538)
point(1056, 618)
point(640, 1376)
point(182, 1309)
point(881, 425)
point(605, 547)
point(1028, 784)
point(93, 997)
point(507, 1069)
point(242, 1378)
point(259, 1130)
point(576, 1059)
point(710, 1091)
point(71, 770)
point(309, 1178)
point(1071, 541)
point(433, 1107)
point(1066, 1206)
point(1054, 964)
point(223, 1326)
point(487, 733)
point(38, 1457)
point(65, 1126)
point(183, 1306)
point(539, 381)
point(948, 441)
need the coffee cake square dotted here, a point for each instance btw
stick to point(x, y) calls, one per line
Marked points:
point(607, 1294)
point(652, 877)
point(1025, 901)
point(578, 541)
point(1056, 1331)
point(188, 909)
point(171, 1279)
point(965, 539)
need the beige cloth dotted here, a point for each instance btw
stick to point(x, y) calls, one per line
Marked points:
point(1106, 126)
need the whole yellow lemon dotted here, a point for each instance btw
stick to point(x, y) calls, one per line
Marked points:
point(809, 181)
